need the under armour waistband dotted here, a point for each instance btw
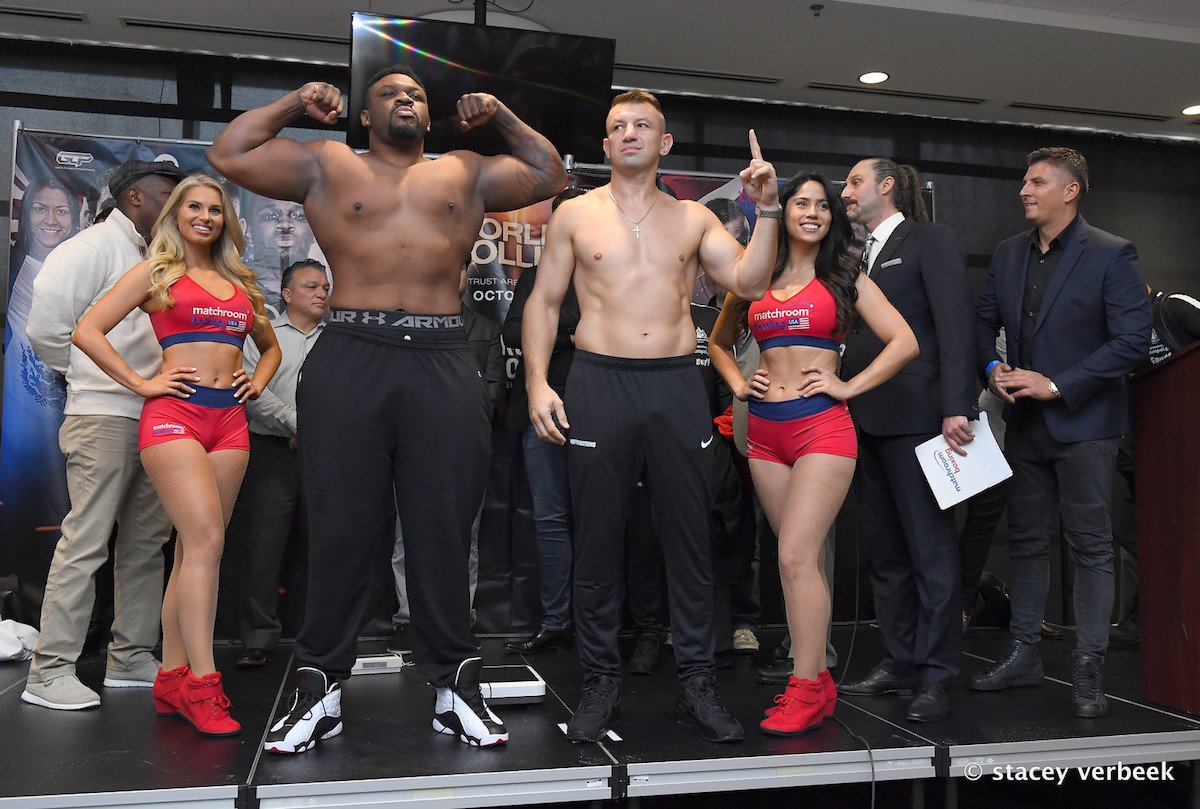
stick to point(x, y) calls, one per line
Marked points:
point(398, 319)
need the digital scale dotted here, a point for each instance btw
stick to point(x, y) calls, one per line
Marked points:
point(500, 685)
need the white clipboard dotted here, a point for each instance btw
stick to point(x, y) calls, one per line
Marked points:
point(952, 477)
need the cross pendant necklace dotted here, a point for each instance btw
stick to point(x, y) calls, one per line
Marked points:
point(637, 223)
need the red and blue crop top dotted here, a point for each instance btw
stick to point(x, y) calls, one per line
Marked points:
point(808, 318)
point(198, 316)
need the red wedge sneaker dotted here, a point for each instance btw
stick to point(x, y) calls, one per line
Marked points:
point(166, 690)
point(202, 702)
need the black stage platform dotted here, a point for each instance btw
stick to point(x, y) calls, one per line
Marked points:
point(122, 755)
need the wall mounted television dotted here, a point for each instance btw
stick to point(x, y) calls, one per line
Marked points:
point(559, 84)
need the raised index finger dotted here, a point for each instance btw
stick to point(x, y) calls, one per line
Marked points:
point(755, 152)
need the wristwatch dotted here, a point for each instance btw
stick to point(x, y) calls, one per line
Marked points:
point(1054, 391)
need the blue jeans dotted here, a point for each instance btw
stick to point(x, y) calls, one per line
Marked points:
point(1075, 481)
point(546, 469)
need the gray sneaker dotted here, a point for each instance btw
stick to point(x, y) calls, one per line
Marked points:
point(137, 677)
point(63, 693)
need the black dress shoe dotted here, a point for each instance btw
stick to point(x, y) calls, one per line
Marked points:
point(253, 658)
point(776, 672)
point(543, 640)
point(879, 681)
point(1087, 693)
point(929, 705)
point(1021, 664)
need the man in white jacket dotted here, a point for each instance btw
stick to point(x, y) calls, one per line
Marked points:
point(105, 478)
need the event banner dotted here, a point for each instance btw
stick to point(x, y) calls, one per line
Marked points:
point(60, 183)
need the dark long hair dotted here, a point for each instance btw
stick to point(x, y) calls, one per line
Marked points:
point(836, 266)
point(907, 196)
point(24, 236)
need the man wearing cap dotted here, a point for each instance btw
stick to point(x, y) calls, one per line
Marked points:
point(105, 478)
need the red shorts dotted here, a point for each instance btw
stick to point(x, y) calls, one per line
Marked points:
point(781, 432)
point(212, 416)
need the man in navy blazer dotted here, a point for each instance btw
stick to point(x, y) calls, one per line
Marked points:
point(911, 545)
point(1072, 301)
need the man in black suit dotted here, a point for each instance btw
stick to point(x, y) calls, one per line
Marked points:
point(1072, 301)
point(911, 545)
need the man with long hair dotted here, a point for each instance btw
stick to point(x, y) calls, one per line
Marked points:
point(911, 545)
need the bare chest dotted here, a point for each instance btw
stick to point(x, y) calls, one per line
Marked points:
point(422, 202)
point(658, 249)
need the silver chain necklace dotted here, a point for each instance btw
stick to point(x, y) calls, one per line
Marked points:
point(637, 223)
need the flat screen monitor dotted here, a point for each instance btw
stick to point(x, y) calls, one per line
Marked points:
point(559, 84)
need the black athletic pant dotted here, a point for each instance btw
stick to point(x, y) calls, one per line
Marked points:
point(391, 419)
point(631, 420)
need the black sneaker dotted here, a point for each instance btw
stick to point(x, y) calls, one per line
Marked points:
point(314, 713)
point(703, 712)
point(599, 708)
point(1087, 692)
point(645, 654)
point(460, 710)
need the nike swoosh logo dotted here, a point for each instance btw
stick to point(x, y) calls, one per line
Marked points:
point(704, 444)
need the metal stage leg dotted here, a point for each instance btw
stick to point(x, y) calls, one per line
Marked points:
point(918, 793)
point(951, 793)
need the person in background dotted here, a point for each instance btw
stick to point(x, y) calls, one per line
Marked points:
point(269, 508)
point(105, 478)
point(1072, 301)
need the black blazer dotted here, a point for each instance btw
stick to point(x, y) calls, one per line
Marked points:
point(1092, 330)
point(922, 270)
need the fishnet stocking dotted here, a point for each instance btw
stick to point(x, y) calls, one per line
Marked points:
point(801, 504)
point(198, 490)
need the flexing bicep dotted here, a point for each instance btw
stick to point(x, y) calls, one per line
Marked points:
point(280, 168)
point(506, 183)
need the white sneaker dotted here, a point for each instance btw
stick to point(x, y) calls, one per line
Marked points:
point(314, 713)
point(64, 693)
point(138, 677)
point(460, 711)
point(744, 640)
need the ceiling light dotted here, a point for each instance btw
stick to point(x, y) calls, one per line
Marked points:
point(1192, 110)
point(874, 77)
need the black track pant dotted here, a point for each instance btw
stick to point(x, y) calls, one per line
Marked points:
point(391, 420)
point(642, 420)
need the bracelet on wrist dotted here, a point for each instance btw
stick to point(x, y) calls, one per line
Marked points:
point(769, 213)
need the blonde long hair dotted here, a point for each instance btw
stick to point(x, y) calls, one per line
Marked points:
point(165, 253)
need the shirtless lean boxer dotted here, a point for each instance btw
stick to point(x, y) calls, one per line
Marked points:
point(636, 399)
point(390, 399)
